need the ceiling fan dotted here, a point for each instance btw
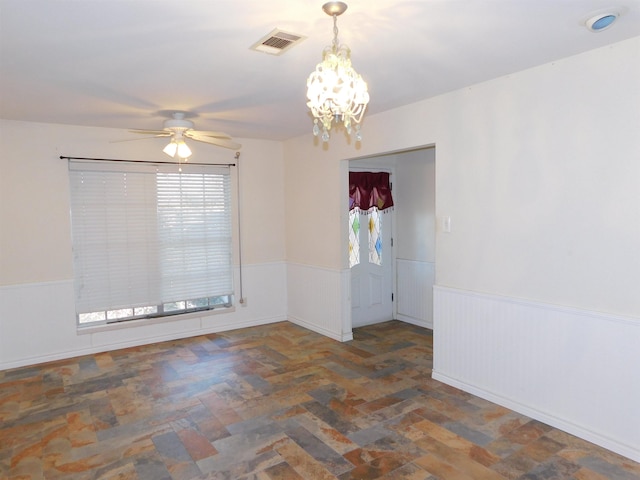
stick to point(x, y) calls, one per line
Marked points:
point(179, 128)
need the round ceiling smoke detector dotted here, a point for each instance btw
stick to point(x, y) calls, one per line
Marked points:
point(601, 22)
point(603, 19)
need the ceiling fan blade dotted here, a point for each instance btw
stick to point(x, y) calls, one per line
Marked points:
point(220, 142)
point(139, 138)
point(157, 133)
point(207, 134)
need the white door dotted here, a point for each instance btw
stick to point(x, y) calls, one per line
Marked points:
point(371, 261)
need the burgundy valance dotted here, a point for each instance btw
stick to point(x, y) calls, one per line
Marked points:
point(368, 190)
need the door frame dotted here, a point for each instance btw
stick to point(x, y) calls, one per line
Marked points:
point(385, 159)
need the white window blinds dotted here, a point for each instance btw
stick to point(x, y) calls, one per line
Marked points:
point(194, 225)
point(148, 239)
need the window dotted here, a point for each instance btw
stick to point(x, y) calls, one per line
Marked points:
point(149, 240)
point(375, 238)
point(373, 231)
point(354, 237)
point(370, 195)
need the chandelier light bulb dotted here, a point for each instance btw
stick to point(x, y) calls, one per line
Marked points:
point(335, 91)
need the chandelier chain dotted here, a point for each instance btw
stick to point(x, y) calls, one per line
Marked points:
point(335, 33)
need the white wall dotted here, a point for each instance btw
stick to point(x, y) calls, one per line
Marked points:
point(539, 172)
point(415, 241)
point(415, 201)
point(540, 175)
point(37, 315)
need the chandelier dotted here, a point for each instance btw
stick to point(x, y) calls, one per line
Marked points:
point(335, 91)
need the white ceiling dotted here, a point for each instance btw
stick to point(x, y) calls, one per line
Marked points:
point(128, 63)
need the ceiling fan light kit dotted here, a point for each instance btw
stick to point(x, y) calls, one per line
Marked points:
point(179, 128)
point(171, 148)
point(177, 146)
point(183, 150)
point(335, 91)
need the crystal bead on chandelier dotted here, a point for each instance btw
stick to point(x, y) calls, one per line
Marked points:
point(335, 90)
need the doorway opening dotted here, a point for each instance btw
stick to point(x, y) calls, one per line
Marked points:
point(409, 233)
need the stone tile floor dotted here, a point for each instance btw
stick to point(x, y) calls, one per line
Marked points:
point(275, 402)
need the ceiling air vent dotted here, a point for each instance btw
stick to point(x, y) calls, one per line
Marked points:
point(277, 42)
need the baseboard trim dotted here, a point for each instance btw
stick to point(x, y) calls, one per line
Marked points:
point(414, 321)
point(222, 327)
point(573, 429)
point(340, 337)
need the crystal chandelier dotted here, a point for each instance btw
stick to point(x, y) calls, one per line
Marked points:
point(335, 90)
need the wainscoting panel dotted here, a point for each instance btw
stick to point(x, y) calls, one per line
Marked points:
point(575, 370)
point(415, 292)
point(37, 324)
point(316, 299)
point(37, 321)
point(355, 292)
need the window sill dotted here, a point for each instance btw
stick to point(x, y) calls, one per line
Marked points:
point(89, 329)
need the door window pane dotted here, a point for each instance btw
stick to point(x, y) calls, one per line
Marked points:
point(354, 237)
point(375, 238)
